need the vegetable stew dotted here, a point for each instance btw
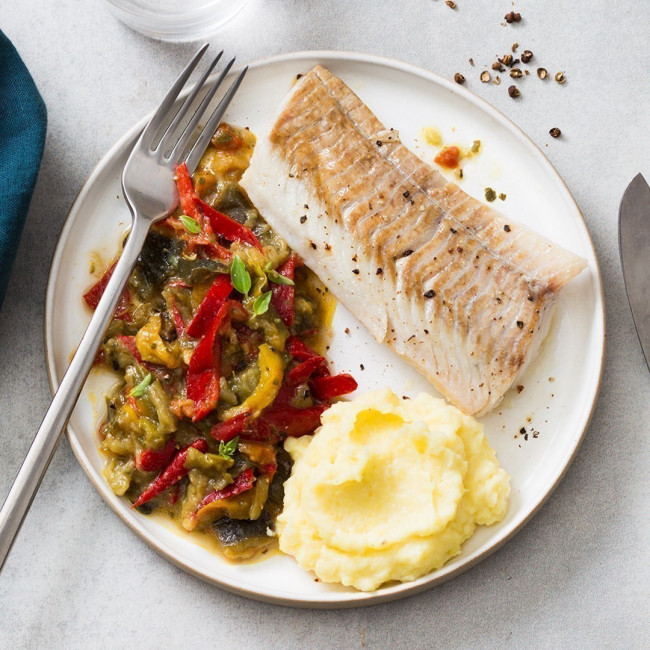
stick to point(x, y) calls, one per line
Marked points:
point(214, 342)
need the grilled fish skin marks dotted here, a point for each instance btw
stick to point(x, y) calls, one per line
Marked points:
point(464, 294)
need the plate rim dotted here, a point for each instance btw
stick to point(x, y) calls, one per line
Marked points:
point(343, 599)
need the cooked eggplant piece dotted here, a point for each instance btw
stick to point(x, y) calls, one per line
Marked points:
point(241, 532)
point(199, 270)
point(159, 257)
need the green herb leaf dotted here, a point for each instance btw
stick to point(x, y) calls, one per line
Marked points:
point(239, 276)
point(261, 304)
point(191, 224)
point(275, 277)
point(141, 388)
point(227, 449)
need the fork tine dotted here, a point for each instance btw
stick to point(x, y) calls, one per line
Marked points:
point(177, 152)
point(182, 111)
point(171, 96)
point(192, 159)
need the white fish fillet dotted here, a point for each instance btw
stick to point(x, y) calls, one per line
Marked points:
point(455, 288)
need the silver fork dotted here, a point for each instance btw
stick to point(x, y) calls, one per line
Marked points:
point(151, 194)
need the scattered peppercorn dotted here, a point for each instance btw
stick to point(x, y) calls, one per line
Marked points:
point(502, 196)
point(379, 271)
point(506, 228)
point(490, 194)
point(519, 388)
point(497, 65)
point(560, 78)
point(458, 78)
point(526, 56)
point(514, 46)
point(513, 91)
point(520, 324)
point(485, 76)
point(516, 73)
point(355, 271)
point(379, 143)
point(497, 80)
point(407, 252)
point(555, 132)
point(303, 218)
point(471, 61)
point(450, 4)
point(542, 73)
point(313, 245)
point(512, 17)
point(362, 366)
point(506, 59)
point(430, 294)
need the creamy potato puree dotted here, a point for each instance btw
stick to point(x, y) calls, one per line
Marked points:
point(388, 489)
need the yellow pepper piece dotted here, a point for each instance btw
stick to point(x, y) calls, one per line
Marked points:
point(271, 373)
point(152, 348)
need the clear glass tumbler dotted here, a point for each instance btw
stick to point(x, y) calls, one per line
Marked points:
point(175, 20)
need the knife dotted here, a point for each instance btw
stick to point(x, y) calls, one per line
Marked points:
point(634, 245)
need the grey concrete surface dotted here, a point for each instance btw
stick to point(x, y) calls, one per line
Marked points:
point(576, 576)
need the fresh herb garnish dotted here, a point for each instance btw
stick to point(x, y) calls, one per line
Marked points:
point(275, 277)
point(141, 388)
point(227, 449)
point(261, 304)
point(239, 276)
point(191, 224)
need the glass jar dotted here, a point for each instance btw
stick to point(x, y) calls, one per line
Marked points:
point(175, 20)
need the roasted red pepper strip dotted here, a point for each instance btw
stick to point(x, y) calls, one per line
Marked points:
point(208, 309)
point(95, 293)
point(225, 431)
point(324, 388)
point(179, 323)
point(292, 421)
point(173, 473)
point(303, 371)
point(269, 470)
point(227, 227)
point(129, 343)
point(203, 373)
point(149, 460)
point(205, 365)
point(299, 350)
point(187, 194)
point(242, 482)
point(215, 249)
point(302, 352)
point(282, 294)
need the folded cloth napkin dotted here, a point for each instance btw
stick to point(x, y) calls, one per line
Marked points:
point(23, 121)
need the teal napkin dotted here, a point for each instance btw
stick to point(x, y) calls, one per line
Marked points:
point(23, 121)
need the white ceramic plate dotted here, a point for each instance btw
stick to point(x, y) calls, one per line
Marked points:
point(560, 387)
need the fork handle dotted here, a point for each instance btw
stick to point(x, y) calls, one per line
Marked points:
point(40, 453)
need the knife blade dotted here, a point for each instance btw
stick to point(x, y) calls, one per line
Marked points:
point(634, 247)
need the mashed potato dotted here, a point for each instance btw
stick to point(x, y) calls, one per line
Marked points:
point(388, 489)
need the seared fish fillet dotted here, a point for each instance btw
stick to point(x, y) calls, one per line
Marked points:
point(456, 289)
